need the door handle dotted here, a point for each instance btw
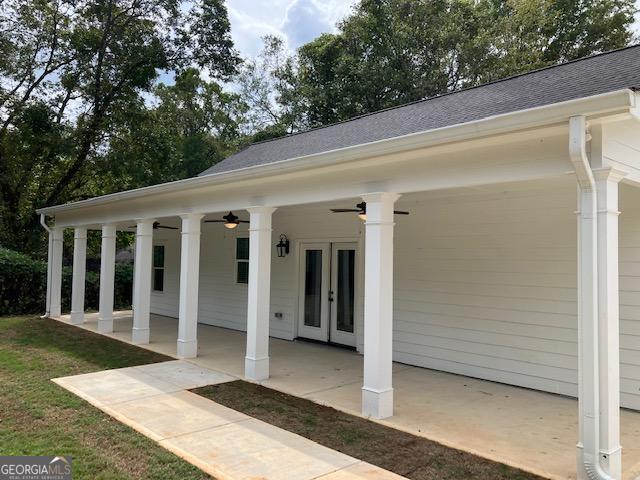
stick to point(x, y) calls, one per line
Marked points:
point(330, 295)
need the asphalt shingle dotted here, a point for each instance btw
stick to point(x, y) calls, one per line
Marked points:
point(586, 77)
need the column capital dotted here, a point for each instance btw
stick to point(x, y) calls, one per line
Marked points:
point(192, 216)
point(57, 234)
point(261, 210)
point(380, 197)
point(191, 223)
point(80, 233)
point(144, 227)
point(109, 230)
point(608, 174)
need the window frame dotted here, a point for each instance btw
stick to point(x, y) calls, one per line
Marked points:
point(239, 260)
point(156, 268)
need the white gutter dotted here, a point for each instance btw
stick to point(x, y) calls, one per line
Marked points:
point(589, 394)
point(617, 101)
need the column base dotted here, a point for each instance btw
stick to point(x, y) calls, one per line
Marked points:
point(55, 312)
point(105, 325)
point(139, 336)
point(256, 368)
point(77, 318)
point(377, 404)
point(187, 349)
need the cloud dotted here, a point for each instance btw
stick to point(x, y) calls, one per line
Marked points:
point(295, 21)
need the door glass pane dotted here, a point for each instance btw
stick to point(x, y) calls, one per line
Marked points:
point(345, 290)
point(313, 288)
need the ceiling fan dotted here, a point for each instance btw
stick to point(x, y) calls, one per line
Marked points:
point(230, 221)
point(157, 225)
point(361, 209)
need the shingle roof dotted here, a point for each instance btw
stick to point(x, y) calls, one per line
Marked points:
point(581, 78)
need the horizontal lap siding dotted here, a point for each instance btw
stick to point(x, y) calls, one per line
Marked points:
point(629, 242)
point(485, 286)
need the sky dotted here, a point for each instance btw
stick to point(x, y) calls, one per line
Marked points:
point(295, 21)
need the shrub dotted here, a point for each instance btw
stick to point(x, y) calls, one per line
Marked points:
point(23, 285)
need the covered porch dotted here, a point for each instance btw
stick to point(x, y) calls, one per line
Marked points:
point(524, 428)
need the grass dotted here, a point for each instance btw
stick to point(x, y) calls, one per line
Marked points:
point(37, 417)
point(405, 454)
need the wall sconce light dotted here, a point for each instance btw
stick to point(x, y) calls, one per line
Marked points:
point(283, 246)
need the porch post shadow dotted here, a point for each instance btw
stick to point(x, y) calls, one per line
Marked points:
point(377, 389)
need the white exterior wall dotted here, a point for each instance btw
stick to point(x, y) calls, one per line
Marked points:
point(485, 282)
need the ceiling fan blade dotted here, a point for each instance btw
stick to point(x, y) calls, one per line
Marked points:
point(343, 210)
point(244, 221)
point(167, 227)
point(400, 212)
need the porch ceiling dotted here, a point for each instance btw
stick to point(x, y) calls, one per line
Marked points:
point(528, 429)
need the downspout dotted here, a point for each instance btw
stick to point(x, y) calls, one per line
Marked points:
point(49, 253)
point(588, 302)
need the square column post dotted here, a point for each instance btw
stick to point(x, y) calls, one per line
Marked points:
point(55, 274)
point(377, 389)
point(189, 276)
point(607, 181)
point(79, 274)
point(107, 278)
point(142, 282)
point(256, 366)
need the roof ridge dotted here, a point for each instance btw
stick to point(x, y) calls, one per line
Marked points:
point(453, 92)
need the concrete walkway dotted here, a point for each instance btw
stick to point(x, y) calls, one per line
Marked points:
point(532, 430)
point(153, 399)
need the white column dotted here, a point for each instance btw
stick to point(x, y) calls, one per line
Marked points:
point(587, 330)
point(142, 282)
point(107, 278)
point(189, 275)
point(55, 275)
point(608, 320)
point(257, 356)
point(377, 389)
point(79, 274)
point(47, 312)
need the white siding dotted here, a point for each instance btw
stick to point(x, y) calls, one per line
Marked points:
point(485, 282)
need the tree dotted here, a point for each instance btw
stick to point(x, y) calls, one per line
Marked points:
point(71, 70)
point(192, 124)
point(390, 52)
point(268, 84)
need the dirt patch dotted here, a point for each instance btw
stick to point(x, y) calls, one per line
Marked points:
point(408, 455)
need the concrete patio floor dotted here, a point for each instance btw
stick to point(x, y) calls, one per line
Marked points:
point(527, 429)
point(229, 445)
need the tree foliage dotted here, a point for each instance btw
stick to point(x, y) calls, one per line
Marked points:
point(72, 72)
point(390, 52)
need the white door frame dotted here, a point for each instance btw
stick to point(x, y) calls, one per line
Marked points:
point(315, 333)
point(327, 331)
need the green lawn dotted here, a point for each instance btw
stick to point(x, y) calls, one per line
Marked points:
point(37, 417)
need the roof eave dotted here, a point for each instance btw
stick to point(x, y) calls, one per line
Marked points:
point(597, 105)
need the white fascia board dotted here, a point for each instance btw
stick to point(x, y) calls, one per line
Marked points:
point(620, 101)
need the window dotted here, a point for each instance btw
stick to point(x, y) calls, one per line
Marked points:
point(242, 260)
point(158, 268)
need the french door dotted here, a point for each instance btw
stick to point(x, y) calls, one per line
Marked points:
point(328, 292)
